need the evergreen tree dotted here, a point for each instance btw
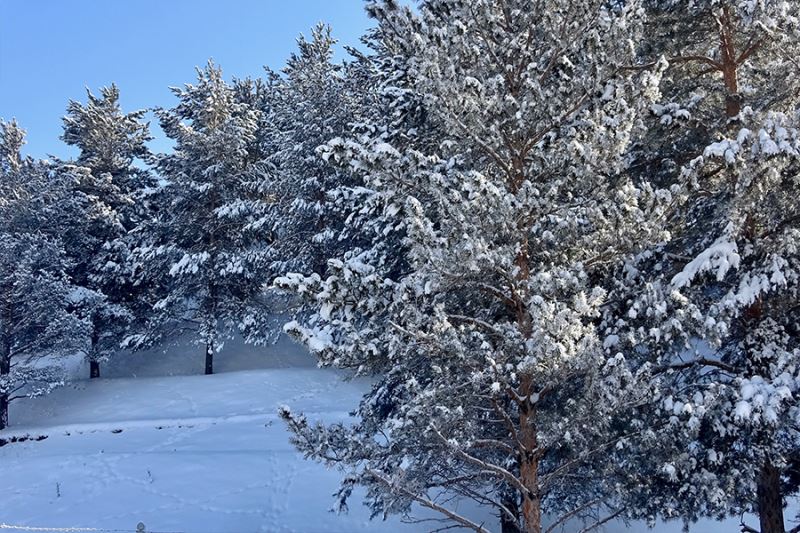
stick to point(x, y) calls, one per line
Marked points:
point(493, 384)
point(35, 292)
point(316, 100)
point(205, 246)
point(112, 190)
point(713, 308)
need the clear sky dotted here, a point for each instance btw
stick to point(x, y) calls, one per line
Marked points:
point(51, 50)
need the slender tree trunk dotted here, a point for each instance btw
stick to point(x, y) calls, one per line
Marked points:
point(94, 369)
point(94, 364)
point(5, 369)
point(211, 332)
point(3, 410)
point(209, 356)
point(730, 74)
point(211, 327)
point(529, 475)
point(770, 500)
point(529, 455)
point(529, 460)
point(531, 504)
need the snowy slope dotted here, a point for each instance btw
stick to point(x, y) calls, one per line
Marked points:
point(194, 453)
point(187, 453)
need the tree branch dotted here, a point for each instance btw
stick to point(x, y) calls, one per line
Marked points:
point(599, 523)
point(425, 502)
point(498, 471)
point(564, 517)
point(747, 529)
point(678, 59)
point(702, 362)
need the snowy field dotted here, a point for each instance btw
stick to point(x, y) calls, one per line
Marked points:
point(189, 453)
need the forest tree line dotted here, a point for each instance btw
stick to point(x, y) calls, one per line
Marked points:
point(562, 236)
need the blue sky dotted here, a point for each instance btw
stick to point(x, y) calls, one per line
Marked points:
point(51, 50)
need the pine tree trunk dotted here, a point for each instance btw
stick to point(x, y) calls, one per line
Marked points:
point(94, 364)
point(211, 324)
point(94, 369)
point(529, 463)
point(5, 369)
point(209, 357)
point(729, 66)
point(3, 411)
point(211, 346)
point(770, 500)
point(531, 504)
point(529, 458)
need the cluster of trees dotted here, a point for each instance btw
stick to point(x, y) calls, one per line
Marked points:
point(563, 236)
point(123, 248)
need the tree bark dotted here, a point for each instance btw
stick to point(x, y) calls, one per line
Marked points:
point(730, 74)
point(94, 369)
point(529, 475)
point(209, 357)
point(770, 500)
point(531, 504)
point(529, 461)
point(5, 369)
point(3, 411)
point(94, 364)
point(529, 458)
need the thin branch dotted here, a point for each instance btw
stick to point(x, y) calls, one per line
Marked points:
point(549, 478)
point(496, 292)
point(749, 50)
point(702, 362)
point(563, 518)
point(498, 471)
point(476, 322)
point(747, 529)
point(678, 59)
point(599, 523)
point(512, 429)
point(425, 502)
point(492, 443)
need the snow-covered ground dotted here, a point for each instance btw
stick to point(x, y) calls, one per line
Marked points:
point(188, 453)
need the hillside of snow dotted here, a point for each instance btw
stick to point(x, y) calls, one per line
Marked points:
point(189, 453)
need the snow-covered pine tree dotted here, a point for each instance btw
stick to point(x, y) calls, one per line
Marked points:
point(35, 292)
point(714, 309)
point(315, 101)
point(204, 246)
point(111, 189)
point(492, 384)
